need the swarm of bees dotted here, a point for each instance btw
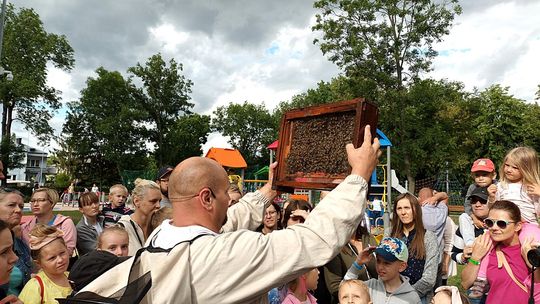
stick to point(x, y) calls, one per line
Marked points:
point(318, 144)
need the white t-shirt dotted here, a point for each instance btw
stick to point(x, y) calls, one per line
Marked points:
point(517, 194)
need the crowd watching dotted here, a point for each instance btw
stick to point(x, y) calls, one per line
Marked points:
point(193, 236)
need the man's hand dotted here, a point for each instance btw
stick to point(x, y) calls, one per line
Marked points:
point(364, 159)
point(266, 190)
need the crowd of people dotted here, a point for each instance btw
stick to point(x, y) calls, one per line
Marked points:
point(192, 237)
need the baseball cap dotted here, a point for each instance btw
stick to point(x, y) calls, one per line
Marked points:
point(483, 164)
point(164, 171)
point(392, 249)
point(480, 192)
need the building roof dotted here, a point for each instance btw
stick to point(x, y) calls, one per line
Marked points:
point(227, 157)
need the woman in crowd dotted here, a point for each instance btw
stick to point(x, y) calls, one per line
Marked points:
point(7, 262)
point(50, 253)
point(146, 197)
point(91, 224)
point(11, 206)
point(271, 219)
point(296, 212)
point(501, 246)
point(115, 240)
point(42, 203)
point(335, 270)
point(424, 253)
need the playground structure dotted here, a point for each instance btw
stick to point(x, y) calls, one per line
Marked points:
point(230, 159)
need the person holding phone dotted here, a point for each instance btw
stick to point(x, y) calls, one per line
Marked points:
point(391, 259)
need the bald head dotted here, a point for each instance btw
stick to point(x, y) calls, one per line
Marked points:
point(195, 173)
point(424, 194)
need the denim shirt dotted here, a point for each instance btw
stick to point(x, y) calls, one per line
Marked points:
point(25, 261)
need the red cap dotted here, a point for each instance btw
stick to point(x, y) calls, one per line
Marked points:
point(483, 164)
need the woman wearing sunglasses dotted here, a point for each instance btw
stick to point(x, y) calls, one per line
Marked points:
point(501, 246)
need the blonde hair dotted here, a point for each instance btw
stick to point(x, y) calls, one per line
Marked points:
point(142, 185)
point(52, 195)
point(362, 285)
point(117, 187)
point(42, 231)
point(109, 230)
point(526, 159)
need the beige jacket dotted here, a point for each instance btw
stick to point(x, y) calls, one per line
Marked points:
point(135, 233)
point(240, 266)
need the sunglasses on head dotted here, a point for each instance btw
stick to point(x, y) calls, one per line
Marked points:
point(500, 223)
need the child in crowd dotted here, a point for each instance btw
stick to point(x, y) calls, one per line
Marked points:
point(115, 240)
point(391, 287)
point(520, 183)
point(115, 208)
point(484, 174)
point(50, 253)
point(165, 213)
point(298, 289)
point(353, 292)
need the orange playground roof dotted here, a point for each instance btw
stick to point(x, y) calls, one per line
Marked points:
point(227, 157)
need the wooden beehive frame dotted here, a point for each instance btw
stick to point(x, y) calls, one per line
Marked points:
point(364, 113)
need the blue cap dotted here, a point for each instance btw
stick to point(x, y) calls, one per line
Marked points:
point(392, 249)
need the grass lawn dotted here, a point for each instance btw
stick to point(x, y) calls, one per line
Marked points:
point(75, 215)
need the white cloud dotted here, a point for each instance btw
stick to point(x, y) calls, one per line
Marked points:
point(498, 45)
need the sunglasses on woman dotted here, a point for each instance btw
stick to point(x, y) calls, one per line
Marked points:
point(500, 223)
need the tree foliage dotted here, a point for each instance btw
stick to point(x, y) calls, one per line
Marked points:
point(185, 138)
point(27, 49)
point(385, 42)
point(102, 133)
point(250, 127)
point(163, 98)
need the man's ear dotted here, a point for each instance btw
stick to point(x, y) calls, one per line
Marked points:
point(206, 198)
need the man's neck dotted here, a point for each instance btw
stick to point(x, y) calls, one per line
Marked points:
point(44, 218)
point(393, 284)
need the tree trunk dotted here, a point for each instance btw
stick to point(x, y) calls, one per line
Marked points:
point(410, 178)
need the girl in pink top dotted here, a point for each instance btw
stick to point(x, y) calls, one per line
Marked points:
point(509, 283)
point(298, 289)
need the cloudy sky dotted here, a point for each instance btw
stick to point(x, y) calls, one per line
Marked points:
point(262, 51)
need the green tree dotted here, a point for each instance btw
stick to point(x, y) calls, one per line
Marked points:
point(385, 42)
point(501, 123)
point(250, 128)
point(185, 138)
point(163, 97)
point(103, 128)
point(27, 50)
